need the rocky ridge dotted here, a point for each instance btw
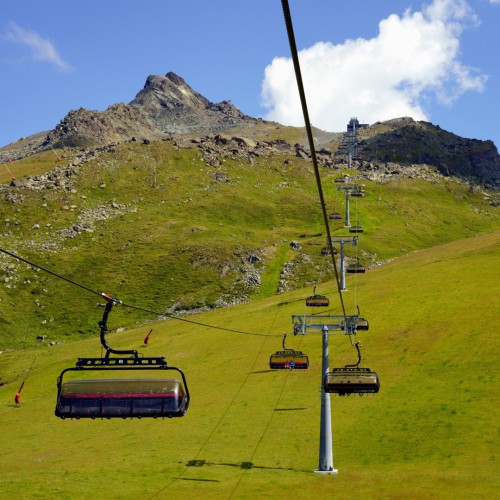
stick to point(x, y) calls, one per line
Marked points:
point(168, 107)
point(405, 141)
point(216, 147)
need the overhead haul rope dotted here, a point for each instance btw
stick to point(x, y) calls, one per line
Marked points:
point(143, 309)
point(300, 85)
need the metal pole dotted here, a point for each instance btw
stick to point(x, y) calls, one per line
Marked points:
point(342, 267)
point(347, 220)
point(354, 141)
point(325, 436)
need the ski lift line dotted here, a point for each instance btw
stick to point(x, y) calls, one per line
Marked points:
point(357, 226)
point(356, 274)
point(198, 323)
point(31, 366)
point(300, 85)
point(108, 298)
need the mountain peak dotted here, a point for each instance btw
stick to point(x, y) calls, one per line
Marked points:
point(167, 93)
point(174, 107)
point(175, 79)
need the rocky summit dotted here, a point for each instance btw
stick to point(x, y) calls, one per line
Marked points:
point(174, 107)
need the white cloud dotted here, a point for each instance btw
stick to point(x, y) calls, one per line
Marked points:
point(415, 57)
point(41, 49)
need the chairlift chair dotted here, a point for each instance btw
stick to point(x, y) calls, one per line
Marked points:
point(346, 381)
point(329, 251)
point(335, 216)
point(317, 300)
point(357, 191)
point(130, 397)
point(351, 379)
point(355, 268)
point(288, 359)
point(355, 323)
point(114, 397)
point(362, 324)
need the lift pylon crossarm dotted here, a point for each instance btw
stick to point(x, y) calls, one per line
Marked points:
point(318, 322)
point(353, 240)
point(348, 187)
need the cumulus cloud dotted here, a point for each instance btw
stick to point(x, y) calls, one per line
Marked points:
point(414, 58)
point(41, 49)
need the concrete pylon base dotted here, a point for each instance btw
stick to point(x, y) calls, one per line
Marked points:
point(332, 472)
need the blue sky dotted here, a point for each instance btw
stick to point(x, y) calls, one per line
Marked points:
point(435, 60)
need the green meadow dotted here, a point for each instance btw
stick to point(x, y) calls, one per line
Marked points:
point(166, 235)
point(155, 228)
point(431, 432)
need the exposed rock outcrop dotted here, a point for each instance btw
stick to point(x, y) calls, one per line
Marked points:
point(174, 107)
point(119, 123)
point(405, 141)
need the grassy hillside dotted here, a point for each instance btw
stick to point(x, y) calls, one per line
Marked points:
point(157, 227)
point(431, 432)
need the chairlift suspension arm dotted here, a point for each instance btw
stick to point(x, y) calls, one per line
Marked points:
point(104, 328)
point(356, 345)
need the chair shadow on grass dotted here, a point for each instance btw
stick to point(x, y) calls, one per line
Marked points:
point(240, 465)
